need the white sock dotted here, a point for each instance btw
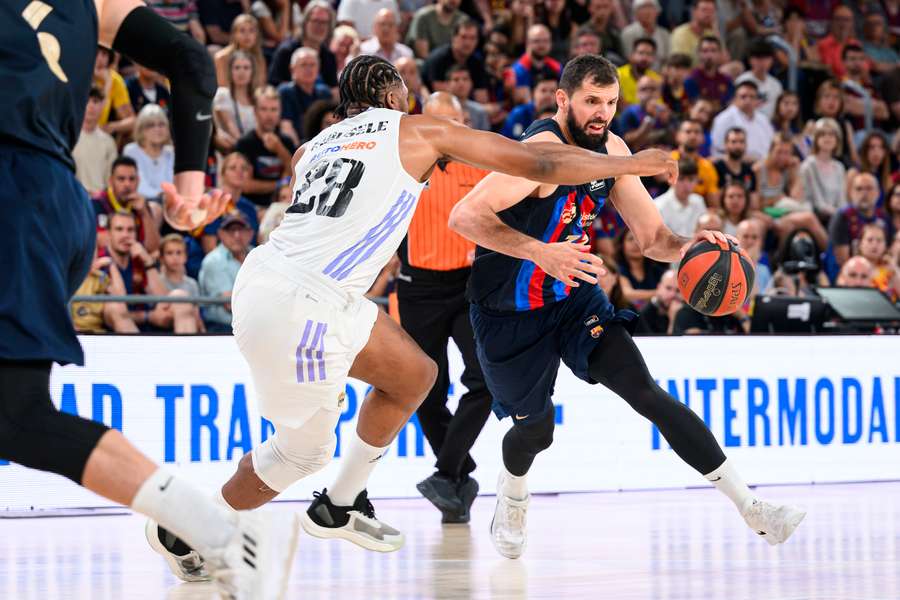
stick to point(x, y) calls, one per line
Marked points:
point(184, 510)
point(356, 467)
point(727, 481)
point(514, 486)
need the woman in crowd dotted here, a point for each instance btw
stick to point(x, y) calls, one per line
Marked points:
point(735, 206)
point(244, 36)
point(779, 187)
point(875, 158)
point(830, 104)
point(233, 112)
point(152, 150)
point(787, 121)
point(824, 177)
point(638, 275)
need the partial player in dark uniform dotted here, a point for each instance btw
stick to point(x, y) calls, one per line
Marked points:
point(46, 244)
point(536, 302)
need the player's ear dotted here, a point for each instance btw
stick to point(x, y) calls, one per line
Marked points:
point(562, 99)
point(395, 98)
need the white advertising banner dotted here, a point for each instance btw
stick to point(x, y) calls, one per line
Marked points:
point(785, 409)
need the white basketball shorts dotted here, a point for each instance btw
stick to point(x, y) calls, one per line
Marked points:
point(300, 334)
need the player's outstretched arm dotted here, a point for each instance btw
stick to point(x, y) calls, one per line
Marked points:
point(133, 29)
point(540, 161)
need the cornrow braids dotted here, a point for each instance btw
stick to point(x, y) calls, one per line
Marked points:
point(364, 83)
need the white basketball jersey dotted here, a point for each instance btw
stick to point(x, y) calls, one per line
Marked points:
point(352, 201)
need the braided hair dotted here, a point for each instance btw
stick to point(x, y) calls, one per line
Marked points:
point(364, 83)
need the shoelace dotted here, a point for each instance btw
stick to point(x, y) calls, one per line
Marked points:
point(367, 509)
point(194, 565)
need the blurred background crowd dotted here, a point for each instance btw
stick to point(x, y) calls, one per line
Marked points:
point(782, 113)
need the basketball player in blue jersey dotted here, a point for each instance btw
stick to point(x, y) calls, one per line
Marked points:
point(47, 236)
point(528, 313)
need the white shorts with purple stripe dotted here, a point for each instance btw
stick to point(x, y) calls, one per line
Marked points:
point(300, 334)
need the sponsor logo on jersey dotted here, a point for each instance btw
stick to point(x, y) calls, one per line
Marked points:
point(568, 214)
point(587, 219)
point(591, 320)
point(358, 145)
point(372, 127)
point(598, 185)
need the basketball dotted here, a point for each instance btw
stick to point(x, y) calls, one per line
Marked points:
point(715, 279)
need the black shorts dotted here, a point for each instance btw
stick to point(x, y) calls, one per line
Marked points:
point(520, 352)
point(47, 237)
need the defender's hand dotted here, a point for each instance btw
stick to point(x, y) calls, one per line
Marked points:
point(568, 261)
point(186, 212)
point(653, 162)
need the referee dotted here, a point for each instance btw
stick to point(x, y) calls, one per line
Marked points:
point(431, 298)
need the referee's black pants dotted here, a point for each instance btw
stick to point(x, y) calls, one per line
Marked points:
point(433, 309)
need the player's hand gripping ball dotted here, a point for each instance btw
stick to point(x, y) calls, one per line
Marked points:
point(715, 279)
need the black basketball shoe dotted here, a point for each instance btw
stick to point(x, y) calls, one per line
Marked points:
point(356, 523)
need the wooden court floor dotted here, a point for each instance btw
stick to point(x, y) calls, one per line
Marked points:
point(680, 544)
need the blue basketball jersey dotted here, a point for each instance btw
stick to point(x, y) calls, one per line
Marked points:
point(47, 53)
point(503, 283)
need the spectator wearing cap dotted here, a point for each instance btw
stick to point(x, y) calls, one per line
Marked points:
point(460, 51)
point(689, 139)
point(95, 151)
point(831, 47)
point(145, 88)
point(743, 113)
point(361, 14)
point(761, 58)
point(846, 226)
point(534, 63)
point(711, 85)
point(686, 37)
point(315, 29)
point(297, 95)
point(220, 268)
point(265, 148)
point(642, 55)
point(385, 41)
point(543, 96)
point(680, 207)
point(433, 26)
point(646, 13)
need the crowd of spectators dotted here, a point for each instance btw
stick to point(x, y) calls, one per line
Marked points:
point(782, 113)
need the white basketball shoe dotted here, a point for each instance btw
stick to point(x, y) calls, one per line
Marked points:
point(508, 525)
point(255, 564)
point(773, 522)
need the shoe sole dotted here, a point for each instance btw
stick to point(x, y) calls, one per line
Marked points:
point(329, 533)
point(150, 531)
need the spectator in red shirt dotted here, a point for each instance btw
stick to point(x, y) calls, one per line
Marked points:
point(832, 45)
point(122, 196)
point(712, 85)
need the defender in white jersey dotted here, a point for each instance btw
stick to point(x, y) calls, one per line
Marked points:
point(300, 317)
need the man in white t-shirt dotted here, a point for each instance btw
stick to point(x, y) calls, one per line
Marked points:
point(361, 14)
point(743, 114)
point(680, 207)
point(385, 41)
point(96, 150)
point(769, 88)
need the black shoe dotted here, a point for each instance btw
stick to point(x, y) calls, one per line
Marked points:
point(356, 523)
point(467, 491)
point(441, 491)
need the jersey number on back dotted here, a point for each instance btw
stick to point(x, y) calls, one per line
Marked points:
point(328, 187)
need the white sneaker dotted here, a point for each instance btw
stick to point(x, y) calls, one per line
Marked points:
point(357, 523)
point(773, 522)
point(256, 563)
point(508, 525)
point(186, 564)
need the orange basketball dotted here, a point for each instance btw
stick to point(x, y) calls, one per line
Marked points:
point(715, 279)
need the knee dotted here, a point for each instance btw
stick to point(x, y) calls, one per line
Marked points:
point(279, 463)
point(419, 380)
point(538, 435)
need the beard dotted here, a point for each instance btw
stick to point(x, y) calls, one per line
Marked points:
point(582, 138)
point(735, 155)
